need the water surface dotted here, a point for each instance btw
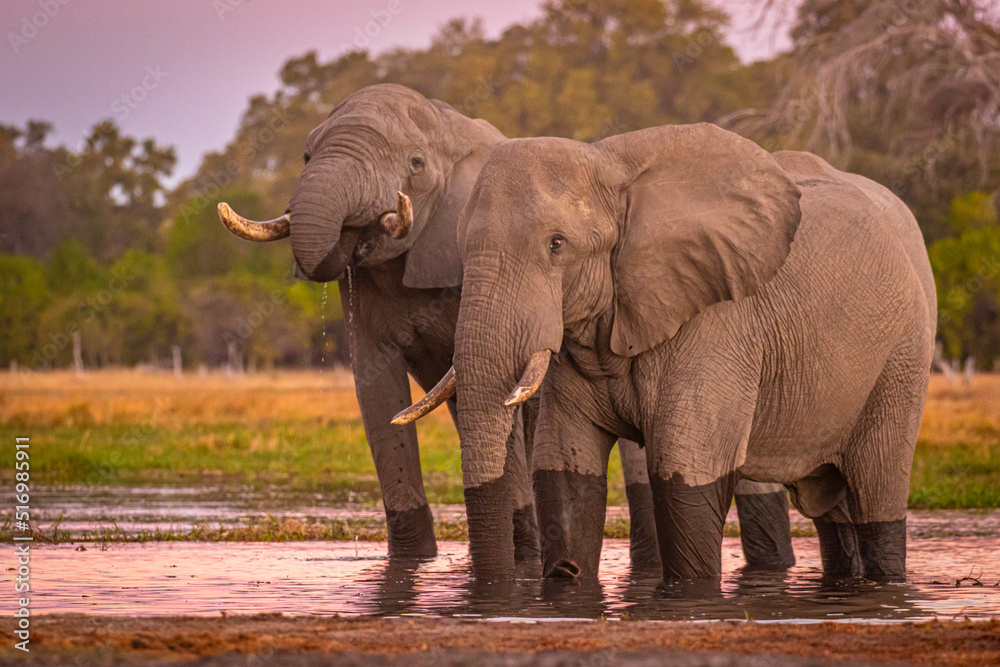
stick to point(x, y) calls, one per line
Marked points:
point(357, 579)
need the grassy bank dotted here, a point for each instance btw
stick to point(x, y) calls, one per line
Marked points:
point(304, 430)
point(275, 529)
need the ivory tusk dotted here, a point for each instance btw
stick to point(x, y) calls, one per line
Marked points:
point(399, 222)
point(441, 392)
point(271, 230)
point(532, 378)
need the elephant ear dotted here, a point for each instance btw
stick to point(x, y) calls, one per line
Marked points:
point(434, 260)
point(708, 216)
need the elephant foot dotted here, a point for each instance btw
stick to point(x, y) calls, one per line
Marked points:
point(643, 547)
point(526, 545)
point(571, 509)
point(765, 530)
point(689, 524)
point(883, 549)
point(411, 533)
point(838, 549)
point(491, 529)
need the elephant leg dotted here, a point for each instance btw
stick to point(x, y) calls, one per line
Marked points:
point(570, 463)
point(877, 460)
point(765, 529)
point(517, 479)
point(383, 389)
point(526, 545)
point(838, 544)
point(689, 523)
point(643, 548)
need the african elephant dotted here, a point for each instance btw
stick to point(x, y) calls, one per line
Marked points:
point(658, 270)
point(397, 260)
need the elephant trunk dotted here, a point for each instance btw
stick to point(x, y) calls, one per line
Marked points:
point(325, 196)
point(494, 345)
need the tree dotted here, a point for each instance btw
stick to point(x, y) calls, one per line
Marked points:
point(908, 93)
point(23, 296)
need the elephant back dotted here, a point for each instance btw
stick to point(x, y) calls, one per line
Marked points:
point(806, 168)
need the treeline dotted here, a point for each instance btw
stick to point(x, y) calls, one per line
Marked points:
point(147, 268)
point(95, 250)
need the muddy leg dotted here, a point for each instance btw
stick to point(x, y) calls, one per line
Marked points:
point(526, 546)
point(689, 522)
point(643, 548)
point(765, 530)
point(838, 544)
point(877, 460)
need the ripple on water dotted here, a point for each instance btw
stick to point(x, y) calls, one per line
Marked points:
point(357, 579)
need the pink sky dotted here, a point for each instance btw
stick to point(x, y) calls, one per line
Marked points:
point(198, 61)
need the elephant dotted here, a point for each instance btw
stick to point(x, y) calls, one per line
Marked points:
point(746, 317)
point(397, 260)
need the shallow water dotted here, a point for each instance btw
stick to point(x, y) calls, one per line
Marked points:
point(81, 508)
point(357, 579)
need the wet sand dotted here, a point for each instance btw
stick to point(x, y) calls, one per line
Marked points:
point(281, 640)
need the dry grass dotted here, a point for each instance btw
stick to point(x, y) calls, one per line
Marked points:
point(116, 397)
point(954, 413)
point(960, 414)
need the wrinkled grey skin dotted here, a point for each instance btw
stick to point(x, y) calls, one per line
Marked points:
point(403, 296)
point(659, 269)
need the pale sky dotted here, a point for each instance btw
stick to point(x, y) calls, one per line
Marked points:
point(187, 67)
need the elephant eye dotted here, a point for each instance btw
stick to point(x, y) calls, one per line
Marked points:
point(305, 158)
point(556, 242)
point(416, 163)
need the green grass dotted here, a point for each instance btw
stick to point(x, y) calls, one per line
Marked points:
point(958, 477)
point(271, 529)
point(274, 529)
point(332, 456)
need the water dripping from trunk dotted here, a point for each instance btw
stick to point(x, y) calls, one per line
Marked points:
point(350, 310)
point(322, 347)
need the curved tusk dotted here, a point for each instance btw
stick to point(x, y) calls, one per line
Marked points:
point(271, 230)
point(398, 223)
point(441, 392)
point(534, 373)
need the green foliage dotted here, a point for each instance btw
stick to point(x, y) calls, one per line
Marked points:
point(967, 273)
point(71, 268)
point(972, 211)
point(24, 294)
point(252, 313)
point(199, 246)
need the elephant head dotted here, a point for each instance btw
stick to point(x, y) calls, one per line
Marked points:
point(386, 173)
point(632, 236)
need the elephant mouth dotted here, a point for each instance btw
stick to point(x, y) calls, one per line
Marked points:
point(371, 246)
point(359, 245)
point(367, 243)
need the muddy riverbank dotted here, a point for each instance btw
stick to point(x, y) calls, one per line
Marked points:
point(282, 640)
